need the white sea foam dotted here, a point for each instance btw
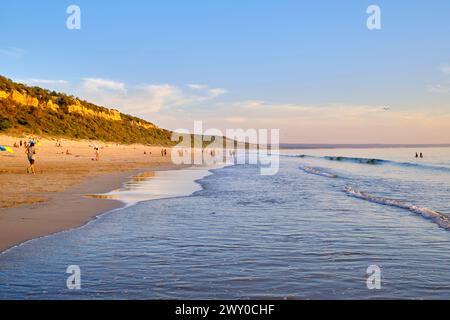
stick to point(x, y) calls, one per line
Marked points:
point(318, 172)
point(441, 219)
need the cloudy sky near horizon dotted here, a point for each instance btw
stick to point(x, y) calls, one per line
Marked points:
point(310, 68)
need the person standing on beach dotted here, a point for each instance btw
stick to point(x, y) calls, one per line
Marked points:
point(421, 155)
point(31, 155)
point(97, 153)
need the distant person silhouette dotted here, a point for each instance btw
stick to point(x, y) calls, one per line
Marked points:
point(421, 155)
point(417, 155)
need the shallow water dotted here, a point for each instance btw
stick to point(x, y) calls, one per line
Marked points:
point(298, 234)
point(160, 185)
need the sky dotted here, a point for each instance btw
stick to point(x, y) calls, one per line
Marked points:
point(309, 68)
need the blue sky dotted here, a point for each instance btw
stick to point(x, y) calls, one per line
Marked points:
point(310, 68)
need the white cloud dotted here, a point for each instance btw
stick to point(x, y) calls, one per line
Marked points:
point(332, 123)
point(198, 86)
point(216, 92)
point(98, 84)
point(49, 84)
point(438, 88)
point(145, 100)
point(152, 98)
point(446, 69)
point(442, 87)
point(209, 93)
point(254, 109)
point(43, 82)
point(173, 106)
point(13, 52)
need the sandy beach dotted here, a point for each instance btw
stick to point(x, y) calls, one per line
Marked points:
point(53, 199)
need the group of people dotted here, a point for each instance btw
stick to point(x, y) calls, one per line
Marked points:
point(22, 143)
point(30, 151)
point(419, 155)
point(163, 152)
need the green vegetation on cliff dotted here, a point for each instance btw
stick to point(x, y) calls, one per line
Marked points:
point(33, 110)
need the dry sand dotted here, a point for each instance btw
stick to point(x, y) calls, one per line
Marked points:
point(53, 200)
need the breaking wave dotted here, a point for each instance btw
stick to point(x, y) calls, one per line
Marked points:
point(358, 160)
point(319, 172)
point(373, 161)
point(439, 218)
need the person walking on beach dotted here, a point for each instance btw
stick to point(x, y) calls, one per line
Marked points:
point(97, 153)
point(31, 155)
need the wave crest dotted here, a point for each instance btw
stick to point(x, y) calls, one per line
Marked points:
point(357, 160)
point(318, 172)
point(439, 218)
point(373, 161)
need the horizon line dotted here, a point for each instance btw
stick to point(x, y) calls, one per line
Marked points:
point(359, 145)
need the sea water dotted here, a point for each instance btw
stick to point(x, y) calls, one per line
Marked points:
point(309, 232)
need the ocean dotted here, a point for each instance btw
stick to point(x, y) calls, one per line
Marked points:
point(309, 232)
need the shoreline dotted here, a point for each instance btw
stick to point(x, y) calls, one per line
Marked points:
point(54, 199)
point(66, 210)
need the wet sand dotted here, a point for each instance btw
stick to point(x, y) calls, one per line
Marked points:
point(54, 200)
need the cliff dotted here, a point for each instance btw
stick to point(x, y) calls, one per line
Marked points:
point(34, 110)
